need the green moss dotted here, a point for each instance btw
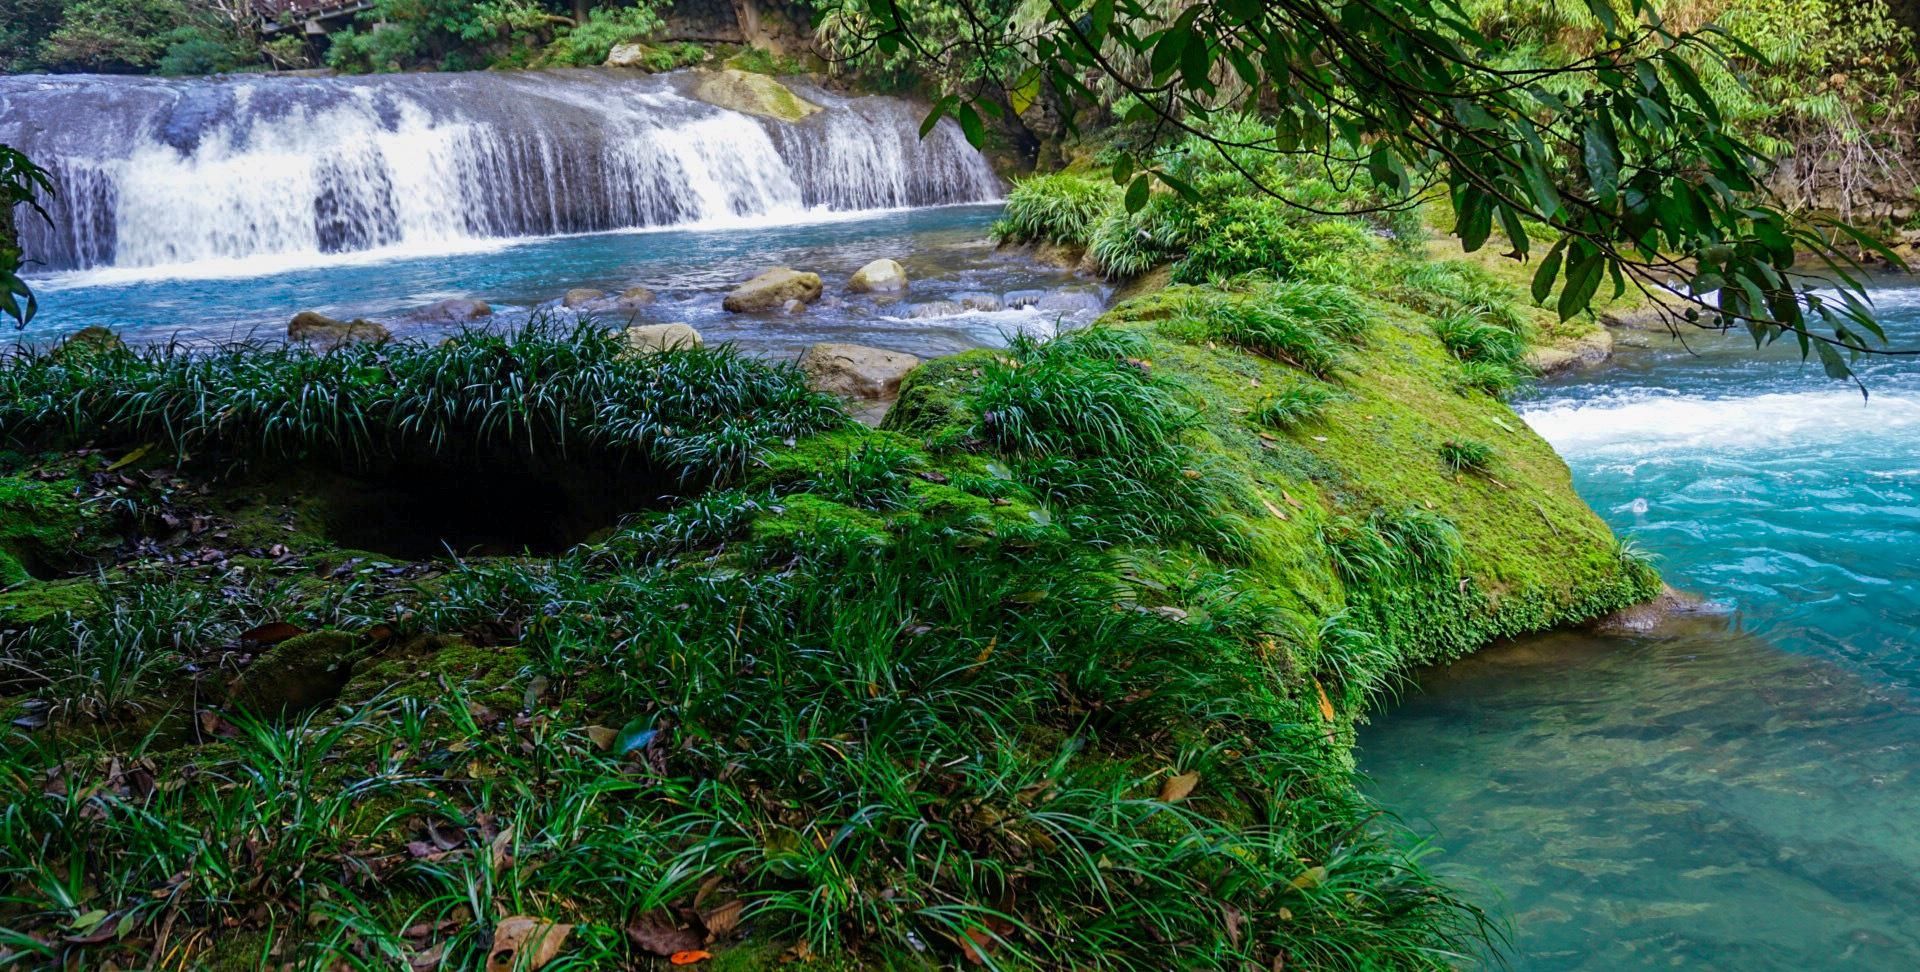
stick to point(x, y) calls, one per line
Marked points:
point(43, 526)
point(299, 674)
point(37, 603)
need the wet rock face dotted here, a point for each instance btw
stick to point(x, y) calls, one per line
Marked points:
point(581, 296)
point(882, 276)
point(753, 94)
point(773, 289)
point(634, 298)
point(325, 333)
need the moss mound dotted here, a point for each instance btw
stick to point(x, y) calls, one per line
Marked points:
point(1057, 669)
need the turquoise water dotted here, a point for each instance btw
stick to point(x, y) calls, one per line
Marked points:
point(945, 251)
point(1738, 790)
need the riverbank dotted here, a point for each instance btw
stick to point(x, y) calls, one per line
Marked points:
point(1061, 665)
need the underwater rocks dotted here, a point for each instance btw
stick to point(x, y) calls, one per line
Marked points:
point(773, 289)
point(324, 333)
point(454, 311)
point(634, 298)
point(882, 276)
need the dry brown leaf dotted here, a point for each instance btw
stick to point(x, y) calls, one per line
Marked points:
point(602, 737)
point(1278, 513)
point(500, 848)
point(662, 939)
point(522, 944)
point(1235, 920)
point(1176, 788)
point(1296, 504)
point(723, 920)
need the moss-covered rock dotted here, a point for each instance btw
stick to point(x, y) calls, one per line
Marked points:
point(299, 674)
point(753, 94)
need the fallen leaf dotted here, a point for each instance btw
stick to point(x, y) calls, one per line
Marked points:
point(1235, 920)
point(663, 939)
point(1176, 788)
point(601, 737)
point(1296, 504)
point(131, 457)
point(429, 959)
point(522, 944)
point(1278, 513)
point(1312, 877)
point(501, 844)
point(271, 634)
point(635, 735)
point(689, 957)
point(723, 920)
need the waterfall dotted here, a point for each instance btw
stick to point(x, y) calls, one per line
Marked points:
point(153, 172)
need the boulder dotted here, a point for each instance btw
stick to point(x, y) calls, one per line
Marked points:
point(302, 673)
point(773, 289)
point(634, 298)
point(753, 94)
point(649, 338)
point(794, 306)
point(454, 311)
point(882, 276)
point(856, 371)
point(627, 56)
point(326, 333)
point(579, 296)
point(1020, 299)
point(1071, 302)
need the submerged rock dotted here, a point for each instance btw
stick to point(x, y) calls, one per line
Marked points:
point(1018, 299)
point(937, 308)
point(299, 674)
point(1590, 348)
point(882, 276)
point(634, 298)
point(580, 296)
point(326, 333)
point(753, 94)
point(979, 301)
point(1071, 302)
point(1650, 616)
point(794, 306)
point(455, 310)
point(648, 338)
point(773, 289)
point(856, 371)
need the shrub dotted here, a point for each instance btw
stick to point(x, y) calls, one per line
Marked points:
point(1470, 336)
point(1057, 208)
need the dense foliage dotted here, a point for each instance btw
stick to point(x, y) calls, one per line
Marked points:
point(22, 184)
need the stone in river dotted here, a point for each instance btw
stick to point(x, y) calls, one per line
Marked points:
point(634, 298)
point(773, 289)
point(454, 310)
point(649, 338)
point(581, 295)
point(326, 333)
point(882, 276)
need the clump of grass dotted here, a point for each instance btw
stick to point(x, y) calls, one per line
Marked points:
point(539, 394)
point(1492, 377)
point(1304, 325)
point(1295, 405)
point(1437, 287)
point(1056, 208)
point(1466, 455)
point(1470, 336)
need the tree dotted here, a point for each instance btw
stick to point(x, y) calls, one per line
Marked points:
point(1617, 162)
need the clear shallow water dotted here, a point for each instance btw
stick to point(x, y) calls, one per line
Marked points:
point(1739, 790)
point(945, 251)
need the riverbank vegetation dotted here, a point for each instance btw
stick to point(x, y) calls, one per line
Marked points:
point(1058, 668)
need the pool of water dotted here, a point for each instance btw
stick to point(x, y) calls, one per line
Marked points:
point(1739, 789)
point(945, 250)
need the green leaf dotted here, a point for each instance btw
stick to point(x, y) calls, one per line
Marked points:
point(1137, 193)
point(970, 123)
point(1830, 360)
point(937, 112)
point(1543, 277)
point(1583, 280)
point(1601, 157)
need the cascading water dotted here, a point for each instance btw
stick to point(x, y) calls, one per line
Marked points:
point(157, 173)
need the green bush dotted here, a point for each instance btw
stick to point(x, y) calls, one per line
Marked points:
point(1466, 455)
point(1057, 208)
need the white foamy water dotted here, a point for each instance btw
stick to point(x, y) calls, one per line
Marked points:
point(1639, 422)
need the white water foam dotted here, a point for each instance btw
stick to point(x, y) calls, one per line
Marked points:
point(1643, 422)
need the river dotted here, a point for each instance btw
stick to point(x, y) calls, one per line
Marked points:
point(1738, 790)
